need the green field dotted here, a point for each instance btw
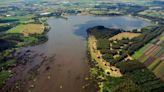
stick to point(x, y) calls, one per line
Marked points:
point(28, 29)
point(21, 19)
point(140, 52)
point(159, 70)
point(162, 37)
point(157, 64)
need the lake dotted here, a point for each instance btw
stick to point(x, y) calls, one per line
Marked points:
point(67, 42)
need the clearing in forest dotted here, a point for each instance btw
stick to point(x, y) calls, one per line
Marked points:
point(122, 35)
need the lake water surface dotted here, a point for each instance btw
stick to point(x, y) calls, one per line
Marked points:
point(67, 40)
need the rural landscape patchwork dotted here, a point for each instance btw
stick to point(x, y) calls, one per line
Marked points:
point(81, 45)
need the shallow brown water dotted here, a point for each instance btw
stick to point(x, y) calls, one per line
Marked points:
point(67, 42)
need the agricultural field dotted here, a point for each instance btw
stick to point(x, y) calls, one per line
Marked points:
point(28, 29)
point(20, 19)
point(122, 35)
point(152, 56)
point(153, 13)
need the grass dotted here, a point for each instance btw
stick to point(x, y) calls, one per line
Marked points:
point(140, 52)
point(111, 83)
point(27, 41)
point(21, 19)
point(28, 29)
point(154, 64)
point(162, 38)
point(159, 70)
point(7, 63)
point(4, 75)
point(144, 59)
point(122, 35)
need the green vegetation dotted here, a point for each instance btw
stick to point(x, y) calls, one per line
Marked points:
point(159, 70)
point(20, 19)
point(151, 54)
point(152, 13)
point(134, 65)
point(136, 78)
point(162, 37)
point(28, 29)
point(140, 52)
point(4, 75)
point(154, 64)
point(121, 49)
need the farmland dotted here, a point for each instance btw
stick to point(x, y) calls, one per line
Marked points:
point(28, 29)
point(151, 55)
point(122, 35)
point(21, 19)
point(153, 13)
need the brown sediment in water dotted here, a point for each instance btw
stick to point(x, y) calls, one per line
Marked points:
point(27, 64)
